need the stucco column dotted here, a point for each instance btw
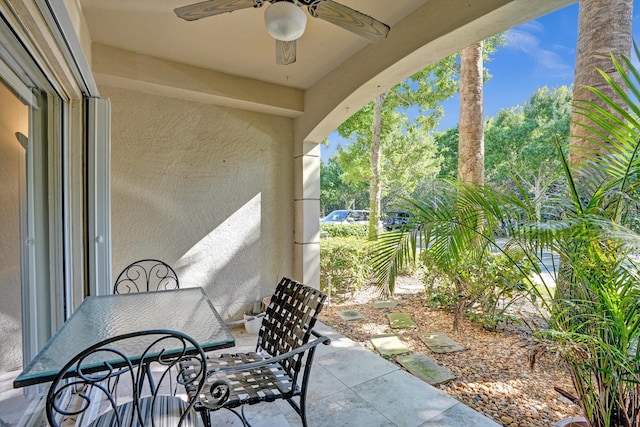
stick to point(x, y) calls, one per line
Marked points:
point(306, 253)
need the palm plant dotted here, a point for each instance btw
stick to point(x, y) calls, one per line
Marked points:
point(593, 321)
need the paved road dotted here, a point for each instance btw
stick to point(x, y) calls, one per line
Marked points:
point(549, 263)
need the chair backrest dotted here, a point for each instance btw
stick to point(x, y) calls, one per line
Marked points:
point(146, 275)
point(290, 316)
point(108, 372)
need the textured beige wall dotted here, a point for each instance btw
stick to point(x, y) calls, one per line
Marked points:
point(208, 189)
point(13, 118)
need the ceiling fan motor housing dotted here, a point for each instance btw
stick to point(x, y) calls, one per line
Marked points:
point(285, 21)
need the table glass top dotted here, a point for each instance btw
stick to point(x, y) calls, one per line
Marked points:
point(97, 318)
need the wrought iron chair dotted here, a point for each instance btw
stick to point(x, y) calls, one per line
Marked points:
point(283, 352)
point(87, 375)
point(146, 275)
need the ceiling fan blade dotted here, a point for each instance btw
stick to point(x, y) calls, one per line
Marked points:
point(285, 52)
point(350, 19)
point(204, 9)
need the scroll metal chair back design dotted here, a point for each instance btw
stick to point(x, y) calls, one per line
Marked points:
point(283, 353)
point(146, 275)
point(86, 376)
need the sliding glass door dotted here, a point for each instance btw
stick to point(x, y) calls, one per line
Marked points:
point(32, 285)
point(14, 136)
point(54, 184)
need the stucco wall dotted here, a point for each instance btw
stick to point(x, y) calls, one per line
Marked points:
point(206, 188)
point(13, 118)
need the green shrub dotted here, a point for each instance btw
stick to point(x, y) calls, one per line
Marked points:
point(344, 264)
point(344, 230)
point(482, 289)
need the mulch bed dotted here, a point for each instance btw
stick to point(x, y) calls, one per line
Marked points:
point(493, 375)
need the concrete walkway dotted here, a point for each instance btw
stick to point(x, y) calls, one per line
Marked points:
point(352, 386)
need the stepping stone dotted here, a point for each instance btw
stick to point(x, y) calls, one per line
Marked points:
point(426, 369)
point(385, 304)
point(401, 320)
point(350, 315)
point(439, 342)
point(389, 344)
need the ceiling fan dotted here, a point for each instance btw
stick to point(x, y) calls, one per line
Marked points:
point(285, 20)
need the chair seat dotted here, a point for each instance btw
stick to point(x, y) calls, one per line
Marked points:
point(166, 412)
point(264, 384)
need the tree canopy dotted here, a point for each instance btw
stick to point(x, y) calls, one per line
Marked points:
point(407, 153)
point(410, 111)
point(336, 191)
point(519, 141)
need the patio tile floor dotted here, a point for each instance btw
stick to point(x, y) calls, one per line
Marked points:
point(352, 386)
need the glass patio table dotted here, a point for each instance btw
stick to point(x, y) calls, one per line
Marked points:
point(97, 318)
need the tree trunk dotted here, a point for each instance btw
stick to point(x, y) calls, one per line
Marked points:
point(375, 190)
point(470, 143)
point(471, 126)
point(604, 28)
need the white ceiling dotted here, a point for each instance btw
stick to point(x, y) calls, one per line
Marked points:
point(234, 43)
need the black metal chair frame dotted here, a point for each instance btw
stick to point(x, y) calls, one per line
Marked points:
point(146, 275)
point(89, 379)
point(283, 351)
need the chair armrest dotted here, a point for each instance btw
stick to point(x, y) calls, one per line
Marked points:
point(320, 340)
point(318, 335)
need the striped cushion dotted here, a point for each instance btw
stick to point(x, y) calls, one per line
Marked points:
point(166, 412)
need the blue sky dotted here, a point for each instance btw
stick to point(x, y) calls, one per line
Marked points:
point(538, 53)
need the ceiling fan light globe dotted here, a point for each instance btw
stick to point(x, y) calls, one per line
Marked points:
point(285, 21)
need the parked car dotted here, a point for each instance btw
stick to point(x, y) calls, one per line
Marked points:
point(346, 216)
point(396, 220)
